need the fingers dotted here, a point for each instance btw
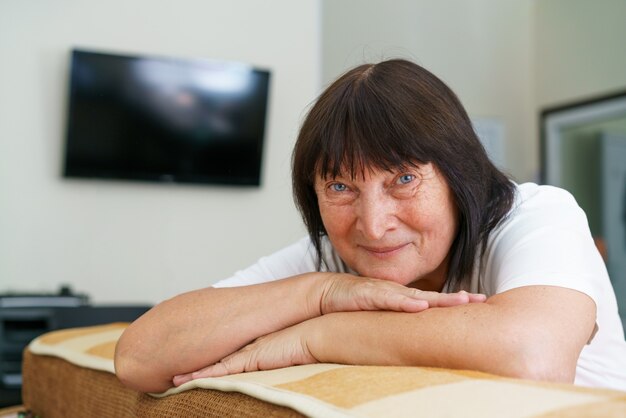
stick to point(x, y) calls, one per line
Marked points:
point(214, 370)
point(181, 378)
point(453, 299)
point(477, 297)
point(346, 293)
point(414, 300)
point(399, 300)
point(412, 305)
point(287, 347)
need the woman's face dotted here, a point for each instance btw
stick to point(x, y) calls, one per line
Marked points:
point(396, 226)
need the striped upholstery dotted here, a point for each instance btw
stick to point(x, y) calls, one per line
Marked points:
point(331, 390)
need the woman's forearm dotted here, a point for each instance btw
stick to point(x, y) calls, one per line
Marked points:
point(398, 339)
point(517, 333)
point(200, 328)
point(194, 329)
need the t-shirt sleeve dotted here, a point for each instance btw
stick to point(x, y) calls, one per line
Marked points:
point(295, 259)
point(546, 241)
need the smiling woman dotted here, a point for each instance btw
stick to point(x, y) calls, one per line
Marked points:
point(396, 226)
point(420, 252)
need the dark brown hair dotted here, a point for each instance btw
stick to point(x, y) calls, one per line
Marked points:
point(388, 116)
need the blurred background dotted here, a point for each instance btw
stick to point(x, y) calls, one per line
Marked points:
point(134, 242)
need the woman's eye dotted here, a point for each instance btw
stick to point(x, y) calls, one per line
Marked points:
point(405, 178)
point(338, 187)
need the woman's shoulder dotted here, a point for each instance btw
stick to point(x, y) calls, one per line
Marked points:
point(297, 258)
point(538, 208)
point(545, 234)
point(538, 204)
point(532, 194)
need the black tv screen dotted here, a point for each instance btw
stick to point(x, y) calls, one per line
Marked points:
point(165, 119)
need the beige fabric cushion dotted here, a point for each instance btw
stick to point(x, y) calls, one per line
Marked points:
point(78, 380)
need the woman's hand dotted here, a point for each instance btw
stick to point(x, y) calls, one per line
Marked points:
point(195, 329)
point(342, 293)
point(346, 293)
point(287, 347)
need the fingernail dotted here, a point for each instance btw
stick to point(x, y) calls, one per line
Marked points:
point(178, 380)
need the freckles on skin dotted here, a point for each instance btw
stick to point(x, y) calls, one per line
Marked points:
point(395, 226)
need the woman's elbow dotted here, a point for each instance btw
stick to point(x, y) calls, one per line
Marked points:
point(538, 362)
point(541, 371)
point(123, 365)
point(134, 373)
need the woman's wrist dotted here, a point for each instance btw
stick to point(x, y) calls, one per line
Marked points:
point(314, 336)
point(318, 284)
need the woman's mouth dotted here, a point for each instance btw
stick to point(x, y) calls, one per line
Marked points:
point(384, 251)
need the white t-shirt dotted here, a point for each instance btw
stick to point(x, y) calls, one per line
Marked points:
point(544, 241)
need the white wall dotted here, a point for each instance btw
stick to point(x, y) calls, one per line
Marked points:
point(134, 242)
point(481, 48)
point(580, 49)
point(128, 242)
point(506, 59)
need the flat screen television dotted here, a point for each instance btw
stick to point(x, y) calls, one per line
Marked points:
point(165, 119)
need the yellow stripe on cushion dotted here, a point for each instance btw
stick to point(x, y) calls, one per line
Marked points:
point(90, 347)
point(484, 398)
point(105, 350)
point(470, 374)
point(614, 408)
point(350, 386)
point(58, 337)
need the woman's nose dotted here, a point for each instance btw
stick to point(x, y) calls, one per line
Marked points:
point(375, 216)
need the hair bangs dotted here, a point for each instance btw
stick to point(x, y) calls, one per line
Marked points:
point(367, 136)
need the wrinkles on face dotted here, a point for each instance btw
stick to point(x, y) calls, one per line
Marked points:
point(393, 225)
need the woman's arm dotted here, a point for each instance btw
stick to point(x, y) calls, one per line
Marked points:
point(534, 332)
point(199, 328)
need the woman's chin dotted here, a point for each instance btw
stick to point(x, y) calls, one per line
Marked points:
point(407, 279)
point(392, 275)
